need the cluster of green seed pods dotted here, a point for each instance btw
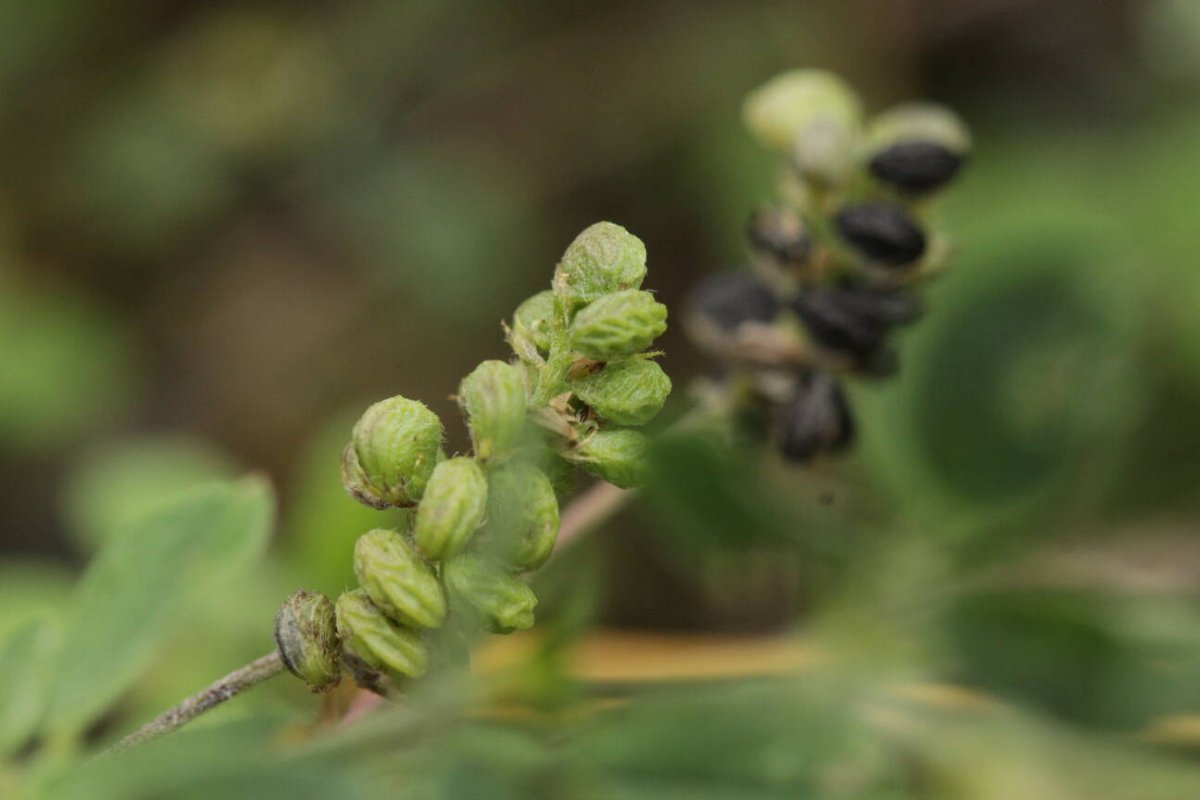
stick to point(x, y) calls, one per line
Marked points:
point(579, 383)
point(836, 262)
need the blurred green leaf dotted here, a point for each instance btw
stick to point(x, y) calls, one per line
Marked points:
point(113, 487)
point(321, 521)
point(760, 739)
point(1066, 653)
point(1020, 387)
point(232, 761)
point(24, 656)
point(66, 366)
point(127, 604)
point(31, 588)
point(448, 265)
point(705, 494)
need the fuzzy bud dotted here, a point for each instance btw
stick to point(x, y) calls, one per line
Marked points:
point(522, 516)
point(377, 642)
point(504, 601)
point(619, 324)
point(883, 232)
point(452, 510)
point(627, 392)
point(397, 580)
point(393, 450)
point(605, 258)
point(618, 457)
point(533, 320)
point(493, 396)
point(306, 635)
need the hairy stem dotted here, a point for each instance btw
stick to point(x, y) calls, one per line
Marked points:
point(231, 685)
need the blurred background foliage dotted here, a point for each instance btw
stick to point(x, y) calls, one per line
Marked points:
point(227, 227)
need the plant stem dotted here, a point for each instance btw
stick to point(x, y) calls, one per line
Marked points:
point(589, 510)
point(231, 685)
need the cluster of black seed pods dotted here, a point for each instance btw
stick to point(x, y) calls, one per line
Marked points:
point(836, 263)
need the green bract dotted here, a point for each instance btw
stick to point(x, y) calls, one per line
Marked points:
point(918, 122)
point(504, 601)
point(788, 104)
point(627, 392)
point(392, 453)
point(619, 324)
point(618, 457)
point(306, 635)
point(604, 258)
point(532, 320)
point(375, 640)
point(522, 522)
point(453, 508)
point(493, 396)
point(397, 580)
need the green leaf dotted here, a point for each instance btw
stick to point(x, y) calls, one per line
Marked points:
point(31, 588)
point(24, 656)
point(232, 760)
point(128, 603)
point(115, 484)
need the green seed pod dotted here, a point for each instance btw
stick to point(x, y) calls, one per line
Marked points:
point(376, 641)
point(786, 106)
point(397, 580)
point(306, 635)
point(533, 320)
point(504, 601)
point(392, 453)
point(522, 523)
point(493, 397)
point(628, 392)
point(618, 324)
point(452, 510)
point(618, 457)
point(604, 258)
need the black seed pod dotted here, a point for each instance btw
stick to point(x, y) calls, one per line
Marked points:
point(728, 299)
point(916, 167)
point(779, 235)
point(816, 420)
point(882, 232)
point(855, 320)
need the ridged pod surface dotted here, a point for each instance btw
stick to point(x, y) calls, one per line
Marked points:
point(493, 396)
point(403, 586)
point(618, 457)
point(626, 392)
point(392, 452)
point(522, 517)
point(306, 635)
point(618, 324)
point(533, 318)
point(376, 641)
point(604, 258)
point(504, 601)
point(452, 510)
